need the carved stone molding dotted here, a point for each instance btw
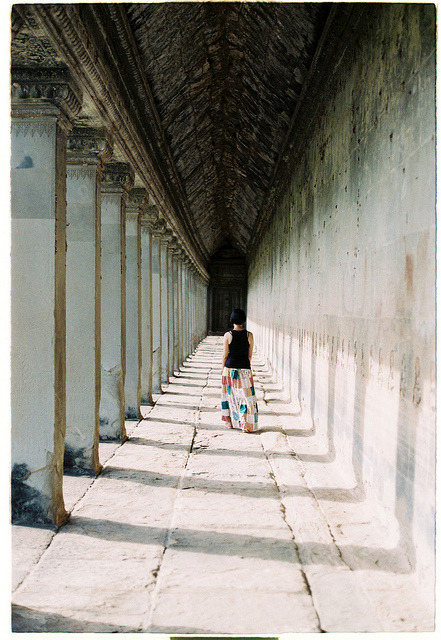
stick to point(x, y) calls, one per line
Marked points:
point(166, 237)
point(149, 216)
point(32, 127)
point(186, 261)
point(49, 91)
point(74, 42)
point(80, 172)
point(30, 50)
point(87, 145)
point(136, 201)
point(159, 228)
point(174, 246)
point(117, 177)
point(16, 22)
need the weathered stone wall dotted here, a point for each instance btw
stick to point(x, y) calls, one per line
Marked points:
point(341, 287)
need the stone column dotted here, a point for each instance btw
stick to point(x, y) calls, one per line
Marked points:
point(175, 302)
point(87, 148)
point(190, 308)
point(148, 218)
point(171, 309)
point(191, 300)
point(44, 102)
point(179, 256)
point(132, 388)
point(193, 308)
point(157, 231)
point(165, 239)
point(199, 308)
point(117, 180)
point(186, 307)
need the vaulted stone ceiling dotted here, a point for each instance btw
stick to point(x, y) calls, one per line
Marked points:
point(205, 94)
point(226, 79)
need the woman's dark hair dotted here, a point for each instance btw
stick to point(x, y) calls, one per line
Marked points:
point(238, 317)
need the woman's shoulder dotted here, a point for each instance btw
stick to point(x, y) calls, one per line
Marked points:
point(250, 335)
point(227, 334)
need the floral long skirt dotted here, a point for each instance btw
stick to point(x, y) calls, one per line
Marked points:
point(239, 402)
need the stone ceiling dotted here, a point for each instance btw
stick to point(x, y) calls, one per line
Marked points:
point(226, 79)
point(210, 87)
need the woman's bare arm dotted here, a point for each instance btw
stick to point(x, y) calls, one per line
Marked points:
point(226, 349)
point(251, 343)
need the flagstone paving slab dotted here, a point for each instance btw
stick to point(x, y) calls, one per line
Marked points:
point(194, 528)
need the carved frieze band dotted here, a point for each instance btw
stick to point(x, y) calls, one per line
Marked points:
point(37, 90)
point(149, 216)
point(29, 128)
point(81, 173)
point(64, 24)
point(159, 228)
point(89, 145)
point(136, 201)
point(174, 247)
point(117, 176)
point(166, 237)
point(28, 49)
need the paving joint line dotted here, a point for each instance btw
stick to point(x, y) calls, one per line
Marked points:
point(317, 503)
point(34, 566)
point(293, 538)
point(307, 485)
point(144, 627)
point(77, 502)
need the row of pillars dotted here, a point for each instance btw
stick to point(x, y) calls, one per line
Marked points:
point(106, 303)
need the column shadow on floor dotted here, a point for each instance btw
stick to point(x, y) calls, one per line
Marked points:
point(240, 545)
point(212, 452)
point(240, 488)
point(30, 620)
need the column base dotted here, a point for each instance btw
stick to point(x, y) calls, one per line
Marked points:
point(147, 400)
point(117, 438)
point(112, 405)
point(80, 462)
point(132, 413)
point(31, 507)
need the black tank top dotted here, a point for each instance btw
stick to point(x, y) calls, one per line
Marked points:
point(238, 351)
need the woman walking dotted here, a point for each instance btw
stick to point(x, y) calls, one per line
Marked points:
point(239, 404)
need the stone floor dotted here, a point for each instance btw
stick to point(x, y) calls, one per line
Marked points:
point(196, 529)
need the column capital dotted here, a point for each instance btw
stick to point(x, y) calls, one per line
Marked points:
point(149, 216)
point(159, 228)
point(89, 146)
point(118, 177)
point(136, 201)
point(42, 91)
point(174, 246)
point(166, 236)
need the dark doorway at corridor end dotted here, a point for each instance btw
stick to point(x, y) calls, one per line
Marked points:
point(228, 287)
